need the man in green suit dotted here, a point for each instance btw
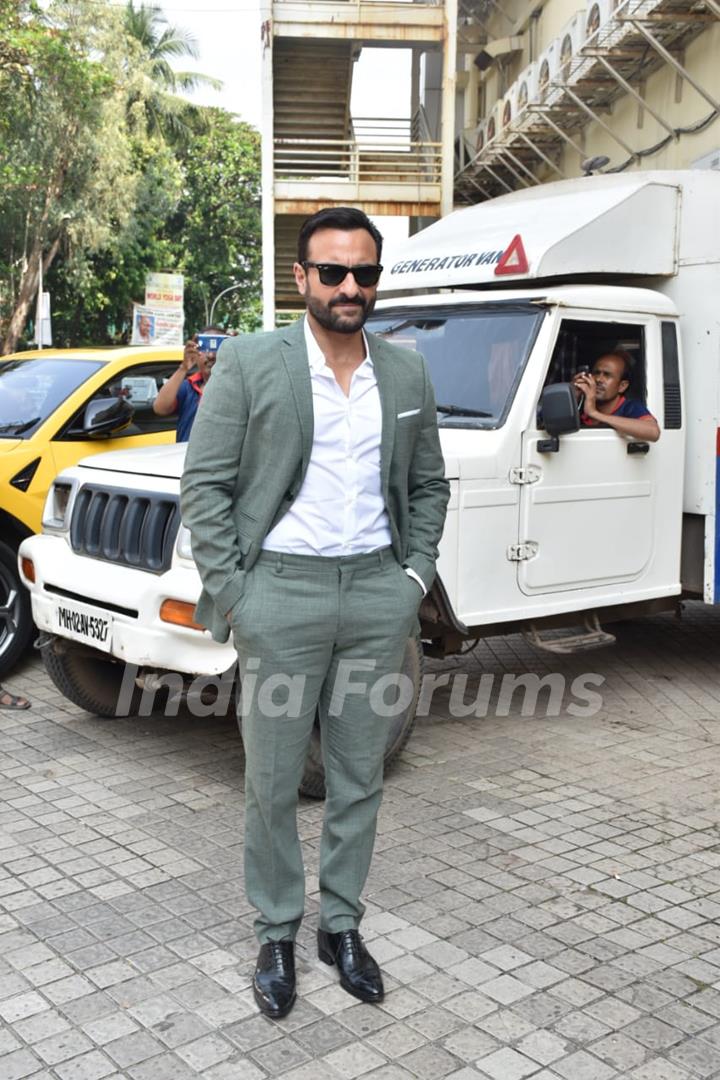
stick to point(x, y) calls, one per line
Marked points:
point(314, 490)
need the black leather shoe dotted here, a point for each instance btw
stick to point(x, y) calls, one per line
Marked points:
point(359, 973)
point(274, 978)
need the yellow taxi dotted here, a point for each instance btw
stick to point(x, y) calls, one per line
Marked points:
point(57, 406)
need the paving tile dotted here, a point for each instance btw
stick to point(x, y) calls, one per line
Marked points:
point(653, 1033)
point(696, 1055)
point(583, 1066)
point(60, 1047)
point(354, 1060)
point(133, 1048)
point(19, 1064)
point(543, 1046)
point(619, 1051)
point(506, 989)
point(91, 1066)
point(22, 1005)
point(281, 1056)
point(507, 1064)
point(659, 1069)
point(395, 1040)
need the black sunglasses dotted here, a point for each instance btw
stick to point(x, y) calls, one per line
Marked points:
point(334, 273)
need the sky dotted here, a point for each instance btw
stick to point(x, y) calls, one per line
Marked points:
point(228, 37)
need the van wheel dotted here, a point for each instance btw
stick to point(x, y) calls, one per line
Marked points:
point(88, 678)
point(399, 727)
point(16, 622)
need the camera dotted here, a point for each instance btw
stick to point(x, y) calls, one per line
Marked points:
point(210, 342)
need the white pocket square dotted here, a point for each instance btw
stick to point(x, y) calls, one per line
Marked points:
point(410, 412)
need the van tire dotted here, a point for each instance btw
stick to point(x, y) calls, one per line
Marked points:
point(88, 678)
point(401, 727)
point(16, 623)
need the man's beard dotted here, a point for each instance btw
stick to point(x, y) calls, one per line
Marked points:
point(330, 319)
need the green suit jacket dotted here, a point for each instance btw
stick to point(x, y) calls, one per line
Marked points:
point(251, 443)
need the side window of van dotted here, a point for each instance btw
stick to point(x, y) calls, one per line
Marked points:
point(580, 343)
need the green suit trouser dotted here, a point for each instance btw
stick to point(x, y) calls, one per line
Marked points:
point(326, 637)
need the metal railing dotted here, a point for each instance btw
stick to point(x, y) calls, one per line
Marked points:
point(382, 151)
point(636, 39)
point(359, 3)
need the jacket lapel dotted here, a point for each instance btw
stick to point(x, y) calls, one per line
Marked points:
point(385, 377)
point(295, 359)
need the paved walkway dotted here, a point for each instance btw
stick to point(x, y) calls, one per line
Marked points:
point(544, 897)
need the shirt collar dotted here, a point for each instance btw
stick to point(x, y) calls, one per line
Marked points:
point(316, 357)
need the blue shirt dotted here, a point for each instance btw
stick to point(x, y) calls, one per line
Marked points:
point(634, 410)
point(186, 404)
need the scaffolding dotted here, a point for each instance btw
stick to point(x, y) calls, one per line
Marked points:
point(638, 38)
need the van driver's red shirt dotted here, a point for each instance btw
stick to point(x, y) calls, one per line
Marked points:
point(634, 410)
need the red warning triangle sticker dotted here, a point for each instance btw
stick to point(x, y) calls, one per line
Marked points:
point(513, 259)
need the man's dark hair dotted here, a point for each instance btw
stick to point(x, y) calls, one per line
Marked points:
point(625, 357)
point(345, 218)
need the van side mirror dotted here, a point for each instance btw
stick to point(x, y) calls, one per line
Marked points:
point(559, 413)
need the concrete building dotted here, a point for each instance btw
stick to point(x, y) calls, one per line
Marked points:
point(505, 94)
point(316, 153)
point(545, 86)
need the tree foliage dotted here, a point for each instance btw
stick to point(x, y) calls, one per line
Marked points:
point(106, 173)
point(65, 173)
point(167, 113)
point(217, 223)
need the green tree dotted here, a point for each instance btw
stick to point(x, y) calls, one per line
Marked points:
point(168, 114)
point(196, 214)
point(66, 173)
point(217, 227)
point(110, 280)
point(95, 180)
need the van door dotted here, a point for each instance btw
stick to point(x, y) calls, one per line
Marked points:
point(588, 511)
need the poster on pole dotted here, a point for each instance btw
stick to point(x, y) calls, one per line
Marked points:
point(157, 326)
point(164, 290)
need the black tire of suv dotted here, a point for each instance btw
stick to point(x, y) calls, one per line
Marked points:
point(400, 727)
point(16, 623)
point(88, 678)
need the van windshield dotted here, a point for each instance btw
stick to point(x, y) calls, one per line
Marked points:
point(475, 355)
point(30, 390)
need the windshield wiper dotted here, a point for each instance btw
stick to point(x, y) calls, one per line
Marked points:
point(17, 427)
point(461, 410)
point(394, 327)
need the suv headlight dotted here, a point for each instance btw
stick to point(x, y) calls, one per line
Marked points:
point(183, 544)
point(56, 512)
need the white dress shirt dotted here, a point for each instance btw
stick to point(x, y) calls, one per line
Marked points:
point(340, 508)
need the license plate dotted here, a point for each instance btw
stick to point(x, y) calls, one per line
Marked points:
point(82, 623)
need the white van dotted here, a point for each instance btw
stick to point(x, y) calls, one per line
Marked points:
point(553, 528)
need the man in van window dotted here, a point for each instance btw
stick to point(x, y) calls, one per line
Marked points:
point(605, 404)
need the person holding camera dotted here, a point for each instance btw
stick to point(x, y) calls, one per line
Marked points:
point(182, 392)
point(601, 394)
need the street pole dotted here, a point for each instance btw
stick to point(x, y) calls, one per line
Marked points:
point(39, 306)
point(212, 306)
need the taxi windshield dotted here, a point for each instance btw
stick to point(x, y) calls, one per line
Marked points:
point(475, 355)
point(30, 390)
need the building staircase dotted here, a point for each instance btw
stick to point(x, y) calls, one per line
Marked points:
point(315, 153)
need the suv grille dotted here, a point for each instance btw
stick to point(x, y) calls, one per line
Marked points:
point(125, 527)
